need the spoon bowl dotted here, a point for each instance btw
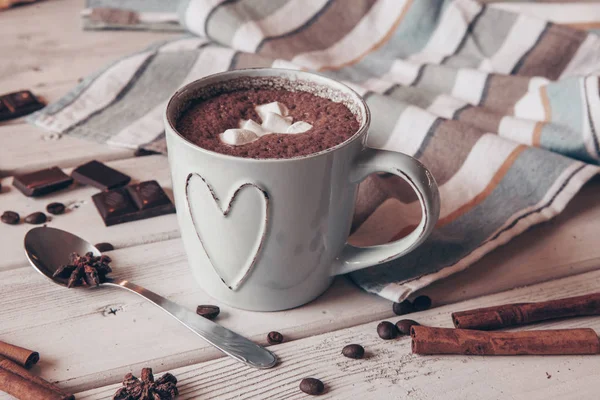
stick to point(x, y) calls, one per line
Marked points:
point(49, 248)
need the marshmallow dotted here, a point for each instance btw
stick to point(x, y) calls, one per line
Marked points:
point(276, 123)
point(274, 107)
point(250, 125)
point(275, 119)
point(298, 127)
point(237, 137)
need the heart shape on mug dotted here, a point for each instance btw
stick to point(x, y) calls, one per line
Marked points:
point(232, 237)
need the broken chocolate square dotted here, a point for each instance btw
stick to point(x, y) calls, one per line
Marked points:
point(141, 201)
point(42, 182)
point(99, 175)
point(148, 194)
point(114, 206)
point(17, 104)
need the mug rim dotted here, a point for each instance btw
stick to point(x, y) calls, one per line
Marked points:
point(275, 72)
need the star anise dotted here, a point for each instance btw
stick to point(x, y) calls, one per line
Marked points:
point(87, 270)
point(146, 388)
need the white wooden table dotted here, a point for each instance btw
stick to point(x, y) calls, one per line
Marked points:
point(87, 350)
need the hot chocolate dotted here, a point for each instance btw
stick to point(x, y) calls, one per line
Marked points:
point(267, 123)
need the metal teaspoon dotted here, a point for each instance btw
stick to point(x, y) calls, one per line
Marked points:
point(49, 248)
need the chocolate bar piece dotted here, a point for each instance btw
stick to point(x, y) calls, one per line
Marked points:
point(148, 194)
point(17, 104)
point(99, 175)
point(42, 182)
point(135, 202)
point(114, 206)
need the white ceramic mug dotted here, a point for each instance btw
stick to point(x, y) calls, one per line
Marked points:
point(270, 234)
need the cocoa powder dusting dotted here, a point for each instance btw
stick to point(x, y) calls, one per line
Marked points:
point(333, 123)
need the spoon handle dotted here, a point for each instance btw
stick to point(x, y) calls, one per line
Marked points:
point(230, 343)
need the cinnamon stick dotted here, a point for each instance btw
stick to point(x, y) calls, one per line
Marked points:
point(24, 357)
point(22, 388)
point(426, 340)
point(497, 317)
point(16, 369)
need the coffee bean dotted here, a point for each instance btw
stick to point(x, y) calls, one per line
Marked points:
point(208, 311)
point(274, 337)
point(422, 303)
point(312, 386)
point(353, 351)
point(404, 326)
point(104, 246)
point(404, 307)
point(10, 217)
point(36, 218)
point(55, 208)
point(386, 330)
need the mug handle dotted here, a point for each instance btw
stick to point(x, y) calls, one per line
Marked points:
point(420, 179)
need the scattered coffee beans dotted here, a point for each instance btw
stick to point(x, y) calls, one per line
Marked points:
point(404, 326)
point(312, 386)
point(10, 217)
point(422, 303)
point(102, 247)
point(353, 351)
point(386, 330)
point(274, 337)
point(404, 307)
point(36, 218)
point(55, 208)
point(208, 311)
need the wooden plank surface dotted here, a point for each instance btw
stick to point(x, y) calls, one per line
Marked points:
point(26, 148)
point(83, 345)
point(49, 56)
point(85, 220)
point(47, 46)
point(390, 371)
point(37, 314)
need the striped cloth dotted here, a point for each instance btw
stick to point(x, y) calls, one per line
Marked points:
point(503, 108)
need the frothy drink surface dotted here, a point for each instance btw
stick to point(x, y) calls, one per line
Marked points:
point(203, 122)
